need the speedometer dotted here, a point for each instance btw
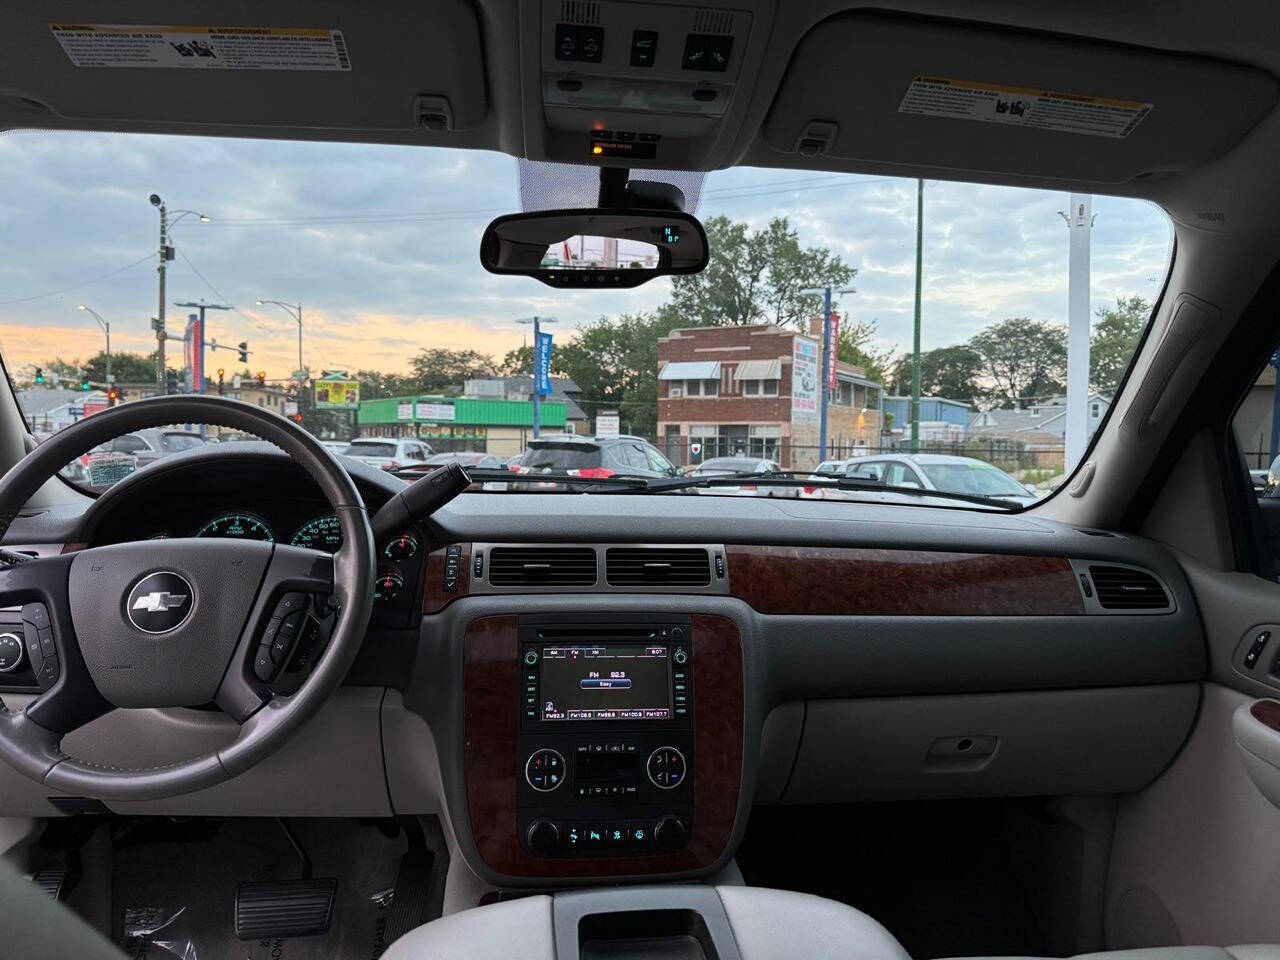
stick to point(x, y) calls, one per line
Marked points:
point(237, 526)
point(322, 533)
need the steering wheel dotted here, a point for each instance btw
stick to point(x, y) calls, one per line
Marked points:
point(183, 622)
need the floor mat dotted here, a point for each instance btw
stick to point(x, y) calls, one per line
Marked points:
point(937, 875)
point(194, 867)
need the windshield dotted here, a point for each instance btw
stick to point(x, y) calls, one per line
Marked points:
point(339, 285)
point(977, 478)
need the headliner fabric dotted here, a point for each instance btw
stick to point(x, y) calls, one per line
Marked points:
point(759, 370)
point(691, 370)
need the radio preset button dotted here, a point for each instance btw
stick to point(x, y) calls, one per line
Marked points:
point(544, 770)
point(666, 768)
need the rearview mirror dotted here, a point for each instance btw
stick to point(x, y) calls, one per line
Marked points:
point(594, 247)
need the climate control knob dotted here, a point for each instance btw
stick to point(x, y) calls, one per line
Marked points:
point(544, 770)
point(543, 836)
point(666, 768)
point(670, 833)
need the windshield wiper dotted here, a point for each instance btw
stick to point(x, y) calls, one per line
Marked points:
point(799, 478)
point(559, 476)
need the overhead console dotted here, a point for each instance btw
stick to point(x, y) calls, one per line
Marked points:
point(887, 88)
point(644, 83)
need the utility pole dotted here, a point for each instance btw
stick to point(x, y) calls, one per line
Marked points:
point(165, 255)
point(537, 353)
point(915, 337)
point(1080, 226)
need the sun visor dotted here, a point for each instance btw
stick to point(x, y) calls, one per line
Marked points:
point(327, 65)
point(898, 90)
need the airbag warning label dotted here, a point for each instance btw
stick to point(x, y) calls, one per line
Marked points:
point(1032, 107)
point(202, 48)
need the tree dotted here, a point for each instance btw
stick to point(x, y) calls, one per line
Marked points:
point(375, 384)
point(853, 345)
point(436, 369)
point(755, 277)
point(1022, 359)
point(951, 372)
point(519, 361)
point(125, 367)
point(1115, 338)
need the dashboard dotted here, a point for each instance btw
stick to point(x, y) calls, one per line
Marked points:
point(603, 685)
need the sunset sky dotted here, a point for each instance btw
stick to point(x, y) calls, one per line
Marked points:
point(380, 246)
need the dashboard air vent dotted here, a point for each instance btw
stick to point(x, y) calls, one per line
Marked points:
point(713, 21)
point(542, 567)
point(1123, 588)
point(657, 567)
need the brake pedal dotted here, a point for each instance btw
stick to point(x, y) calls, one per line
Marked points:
point(284, 908)
point(51, 882)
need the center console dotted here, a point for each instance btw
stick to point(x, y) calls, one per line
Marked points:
point(602, 744)
point(605, 750)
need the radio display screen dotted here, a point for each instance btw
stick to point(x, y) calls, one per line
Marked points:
point(606, 681)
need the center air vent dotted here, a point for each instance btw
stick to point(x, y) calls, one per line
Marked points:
point(657, 567)
point(542, 567)
point(580, 11)
point(1124, 588)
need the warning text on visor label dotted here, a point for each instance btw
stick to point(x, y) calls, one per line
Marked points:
point(1023, 106)
point(202, 48)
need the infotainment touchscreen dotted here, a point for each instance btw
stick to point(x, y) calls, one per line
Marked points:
point(606, 681)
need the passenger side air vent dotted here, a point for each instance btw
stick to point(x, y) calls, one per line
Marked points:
point(1124, 588)
point(542, 567)
point(657, 567)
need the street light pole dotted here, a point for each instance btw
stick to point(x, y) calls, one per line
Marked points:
point(106, 327)
point(165, 255)
point(537, 347)
point(826, 361)
point(915, 336)
point(295, 311)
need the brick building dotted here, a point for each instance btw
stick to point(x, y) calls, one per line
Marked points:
point(755, 390)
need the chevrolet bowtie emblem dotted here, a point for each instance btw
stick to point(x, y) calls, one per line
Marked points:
point(159, 601)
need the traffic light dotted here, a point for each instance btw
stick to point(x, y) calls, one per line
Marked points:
point(85, 384)
point(262, 378)
point(171, 382)
point(112, 396)
point(221, 373)
point(244, 351)
point(297, 418)
point(39, 375)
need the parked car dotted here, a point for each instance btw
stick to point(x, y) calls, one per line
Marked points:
point(337, 446)
point(727, 466)
point(389, 453)
point(941, 472)
point(594, 457)
point(467, 458)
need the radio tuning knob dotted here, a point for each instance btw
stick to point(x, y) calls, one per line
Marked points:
point(670, 833)
point(543, 836)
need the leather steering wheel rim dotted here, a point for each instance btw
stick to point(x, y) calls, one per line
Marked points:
point(30, 740)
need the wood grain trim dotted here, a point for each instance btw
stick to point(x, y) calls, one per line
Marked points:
point(1267, 713)
point(490, 692)
point(434, 599)
point(866, 582)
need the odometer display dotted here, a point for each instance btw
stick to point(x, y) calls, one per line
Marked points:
point(237, 526)
point(322, 533)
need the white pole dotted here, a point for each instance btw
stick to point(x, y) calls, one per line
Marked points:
point(1079, 224)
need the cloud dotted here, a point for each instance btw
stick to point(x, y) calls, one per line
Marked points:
point(379, 245)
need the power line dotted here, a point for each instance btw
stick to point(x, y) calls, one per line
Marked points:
point(217, 293)
point(77, 286)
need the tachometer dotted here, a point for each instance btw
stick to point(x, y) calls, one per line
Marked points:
point(322, 533)
point(237, 526)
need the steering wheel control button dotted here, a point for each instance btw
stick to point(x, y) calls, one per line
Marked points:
point(291, 603)
point(160, 602)
point(47, 675)
point(10, 652)
point(263, 666)
point(36, 614)
point(544, 770)
point(666, 768)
